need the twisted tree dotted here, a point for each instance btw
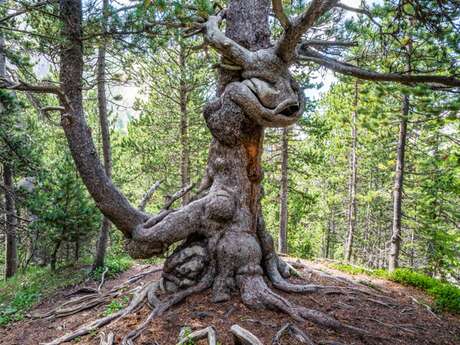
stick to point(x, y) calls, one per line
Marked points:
point(223, 240)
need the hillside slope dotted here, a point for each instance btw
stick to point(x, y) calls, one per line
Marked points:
point(392, 313)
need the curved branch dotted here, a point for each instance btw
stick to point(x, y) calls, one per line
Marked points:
point(361, 73)
point(112, 203)
point(287, 45)
point(229, 48)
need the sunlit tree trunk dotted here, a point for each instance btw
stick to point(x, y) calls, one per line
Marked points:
point(353, 179)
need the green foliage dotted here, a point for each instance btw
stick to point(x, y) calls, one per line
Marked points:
point(446, 295)
point(20, 293)
point(114, 265)
point(186, 332)
point(116, 305)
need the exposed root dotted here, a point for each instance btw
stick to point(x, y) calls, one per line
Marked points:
point(135, 303)
point(170, 301)
point(92, 298)
point(102, 279)
point(242, 336)
point(428, 308)
point(208, 332)
point(294, 331)
point(256, 293)
point(106, 339)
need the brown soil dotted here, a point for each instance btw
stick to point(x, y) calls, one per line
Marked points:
point(405, 323)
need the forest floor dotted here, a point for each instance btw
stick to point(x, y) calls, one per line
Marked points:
point(395, 314)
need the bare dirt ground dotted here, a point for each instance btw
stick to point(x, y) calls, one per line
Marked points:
point(385, 309)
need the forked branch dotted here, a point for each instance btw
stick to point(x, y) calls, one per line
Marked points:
point(226, 46)
point(287, 45)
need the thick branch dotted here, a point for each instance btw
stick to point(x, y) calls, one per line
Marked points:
point(288, 43)
point(24, 86)
point(354, 71)
point(279, 13)
point(112, 203)
point(229, 48)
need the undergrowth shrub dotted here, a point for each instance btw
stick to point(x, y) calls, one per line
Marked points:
point(446, 295)
point(21, 292)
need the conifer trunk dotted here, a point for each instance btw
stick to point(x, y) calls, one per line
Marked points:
point(395, 242)
point(353, 180)
point(282, 239)
point(101, 246)
point(11, 256)
point(184, 123)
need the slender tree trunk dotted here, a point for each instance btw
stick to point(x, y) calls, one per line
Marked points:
point(282, 239)
point(353, 179)
point(395, 242)
point(53, 260)
point(184, 139)
point(11, 256)
point(101, 245)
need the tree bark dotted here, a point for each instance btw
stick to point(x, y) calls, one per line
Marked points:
point(11, 256)
point(353, 179)
point(101, 245)
point(282, 239)
point(184, 139)
point(108, 198)
point(395, 242)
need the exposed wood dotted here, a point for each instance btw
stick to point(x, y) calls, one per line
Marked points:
point(242, 336)
point(208, 332)
point(294, 331)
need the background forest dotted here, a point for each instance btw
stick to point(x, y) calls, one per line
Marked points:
point(370, 167)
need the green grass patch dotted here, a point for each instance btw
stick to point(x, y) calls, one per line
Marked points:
point(446, 295)
point(115, 266)
point(21, 292)
point(116, 305)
